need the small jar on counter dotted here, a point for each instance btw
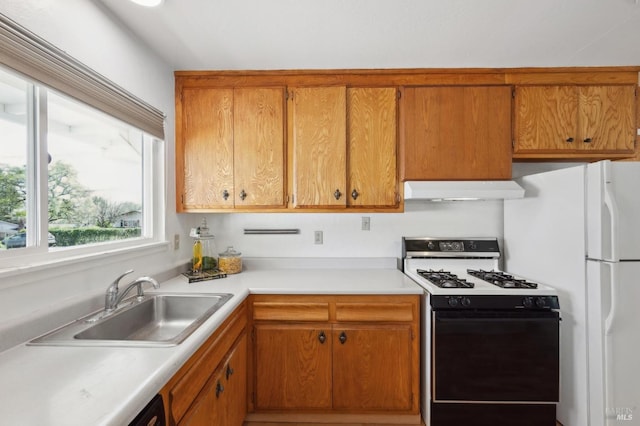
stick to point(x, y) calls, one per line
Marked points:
point(230, 261)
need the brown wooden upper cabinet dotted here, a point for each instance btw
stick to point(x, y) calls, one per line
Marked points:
point(575, 122)
point(340, 140)
point(344, 147)
point(372, 115)
point(455, 133)
point(230, 150)
point(318, 126)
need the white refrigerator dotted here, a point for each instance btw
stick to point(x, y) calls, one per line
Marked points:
point(578, 230)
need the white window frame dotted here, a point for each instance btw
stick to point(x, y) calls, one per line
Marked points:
point(44, 66)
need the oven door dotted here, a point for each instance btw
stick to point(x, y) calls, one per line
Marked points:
point(510, 356)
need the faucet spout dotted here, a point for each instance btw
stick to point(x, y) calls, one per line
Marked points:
point(113, 297)
point(138, 284)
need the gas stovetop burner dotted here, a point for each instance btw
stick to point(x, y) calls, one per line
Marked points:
point(501, 279)
point(444, 279)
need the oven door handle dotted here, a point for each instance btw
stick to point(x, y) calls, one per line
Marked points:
point(502, 319)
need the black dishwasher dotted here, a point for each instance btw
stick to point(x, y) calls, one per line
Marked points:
point(151, 415)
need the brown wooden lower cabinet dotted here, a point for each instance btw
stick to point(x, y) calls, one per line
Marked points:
point(345, 359)
point(323, 359)
point(211, 388)
point(372, 368)
point(292, 366)
point(223, 399)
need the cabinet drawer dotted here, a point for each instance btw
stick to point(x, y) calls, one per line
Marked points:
point(291, 311)
point(394, 312)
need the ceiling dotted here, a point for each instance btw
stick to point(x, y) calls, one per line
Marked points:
point(324, 34)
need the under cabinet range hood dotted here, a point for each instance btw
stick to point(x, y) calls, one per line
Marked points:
point(462, 190)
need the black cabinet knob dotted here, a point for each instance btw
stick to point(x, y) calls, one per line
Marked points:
point(225, 194)
point(588, 140)
point(243, 195)
point(343, 337)
point(219, 389)
point(354, 194)
point(322, 337)
point(569, 140)
point(337, 194)
point(229, 372)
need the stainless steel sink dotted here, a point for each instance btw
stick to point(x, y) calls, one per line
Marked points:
point(161, 319)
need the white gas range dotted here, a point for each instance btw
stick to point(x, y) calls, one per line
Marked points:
point(464, 267)
point(490, 339)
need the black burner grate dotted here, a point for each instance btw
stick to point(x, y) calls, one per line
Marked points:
point(444, 279)
point(501, 279)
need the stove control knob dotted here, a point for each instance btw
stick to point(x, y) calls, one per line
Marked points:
point(541, 302)
point(466, 302)
point(527, 302)
point(453, 302)
point(430, 245)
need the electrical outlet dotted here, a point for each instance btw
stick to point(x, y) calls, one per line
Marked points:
point(317, 237)
point(176, 241)
point(366, 223)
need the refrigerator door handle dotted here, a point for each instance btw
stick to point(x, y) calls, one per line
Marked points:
point(609, 324)
point(613, 285)
point(612, 207)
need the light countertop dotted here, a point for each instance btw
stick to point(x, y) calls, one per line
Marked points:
point(66, 386)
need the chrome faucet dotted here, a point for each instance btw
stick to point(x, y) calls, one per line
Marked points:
point(113, 297)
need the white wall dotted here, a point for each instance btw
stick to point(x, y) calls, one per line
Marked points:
point(342, 232)
point(293, 34)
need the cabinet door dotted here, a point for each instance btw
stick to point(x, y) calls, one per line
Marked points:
point(201, 412)
point(259, 159)
point(372, 145)
point(206, 148)
point(546, 118)
point(458, 133)
point(292, 366)
point(607, 118)
point(209, 408)
point(319, 146)
point(372, 368)
point(235, 379)
point(223, 401)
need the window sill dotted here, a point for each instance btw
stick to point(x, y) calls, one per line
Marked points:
point(87, 259)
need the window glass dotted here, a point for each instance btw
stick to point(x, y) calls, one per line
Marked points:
point(95, 183)
point(14, 143)
point(71, 175)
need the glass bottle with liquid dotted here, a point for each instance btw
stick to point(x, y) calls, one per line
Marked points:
point(204, 250)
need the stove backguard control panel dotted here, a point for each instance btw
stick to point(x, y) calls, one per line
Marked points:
point(417, 247)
